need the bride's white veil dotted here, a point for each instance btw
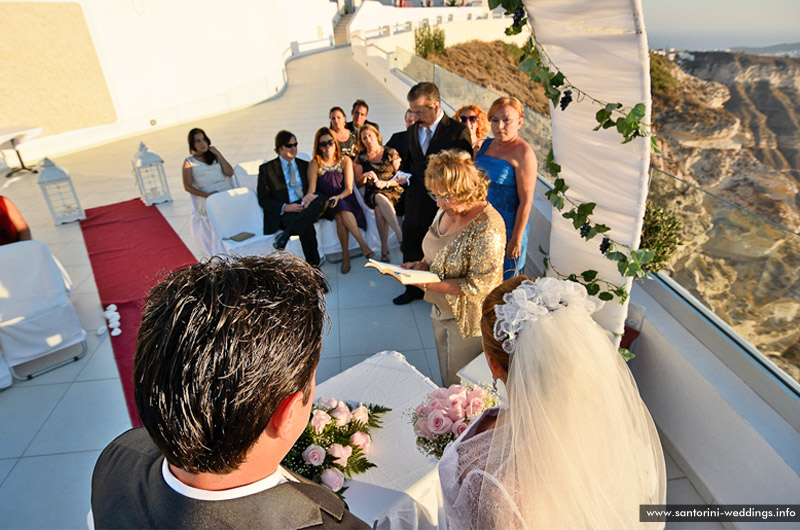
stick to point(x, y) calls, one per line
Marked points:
point(576, 446)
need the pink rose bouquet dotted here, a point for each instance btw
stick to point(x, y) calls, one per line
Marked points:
point(335, 443)
point(446, 413)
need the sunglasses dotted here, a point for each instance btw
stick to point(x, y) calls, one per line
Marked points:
point(290, 146)
point(326, 143)
point(470, 119)
point(445, 200)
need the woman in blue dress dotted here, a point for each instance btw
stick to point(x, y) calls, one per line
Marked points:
point(510, 163)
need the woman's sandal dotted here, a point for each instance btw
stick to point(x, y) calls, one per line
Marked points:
point(345, 269)
point(385, 258)
point(370, 255)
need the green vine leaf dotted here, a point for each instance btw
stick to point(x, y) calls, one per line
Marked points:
point(589, 275)
point(605, 296)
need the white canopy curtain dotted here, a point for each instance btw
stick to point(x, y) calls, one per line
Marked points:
point(601, 47)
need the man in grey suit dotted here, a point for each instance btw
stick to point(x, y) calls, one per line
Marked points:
point(223, 383)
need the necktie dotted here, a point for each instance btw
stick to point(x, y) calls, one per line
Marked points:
point(293, 181)
point(427, 141)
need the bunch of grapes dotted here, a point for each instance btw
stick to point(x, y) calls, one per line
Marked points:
point(566, 99)
point(519, 14)
point(605, 245)
point(585, 229)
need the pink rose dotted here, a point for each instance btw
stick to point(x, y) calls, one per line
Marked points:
point(439, 423)
point(455, 389)
point(474, 407)
point(439, 393)
point(342, 414)
point(314, 455)
point(421, 428)
point(457, 393)
point(327, 404)
point(455, 412)
point(422, 410)
point(362, 440)
point(477, 392)
point(319, 420)
point(333, 479)
point(361, 414)
point(341, 453)
point(438, 404)
point(459, 427)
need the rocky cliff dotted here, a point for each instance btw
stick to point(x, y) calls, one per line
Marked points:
point(729, 124)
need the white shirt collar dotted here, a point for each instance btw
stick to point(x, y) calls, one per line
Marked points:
point(279, 477)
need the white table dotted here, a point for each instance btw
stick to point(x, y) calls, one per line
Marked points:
point(403, 491)
point(14, 136)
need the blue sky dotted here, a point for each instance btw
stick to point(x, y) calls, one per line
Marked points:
point(710, 24)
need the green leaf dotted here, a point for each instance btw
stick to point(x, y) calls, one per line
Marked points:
point(626, 354)
point(606, 296)
point(638, 111)
point(557, 80)
point(579, 221)
point(586, 208)
point(569, 215)
point(591, 233)
point(541, 250)
point(493, 3)
point(616, 256)
point(622, 267)
point(546, 263)
point(589, 275)
point(601, 229)
point(593, 289)
point(608, 124)
point(654, 145)
point(529, 64)
point(514, 30)
point(610, 107)
point(602, 115)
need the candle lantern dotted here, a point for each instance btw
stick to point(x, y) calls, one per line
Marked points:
point(148, 168)
point(59, 193)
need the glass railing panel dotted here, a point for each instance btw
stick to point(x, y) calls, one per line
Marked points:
point(739, 265)
point(414, 66)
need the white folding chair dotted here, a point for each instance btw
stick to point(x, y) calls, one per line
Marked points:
point(245, 175)
point(236, 211)
point(36, 315)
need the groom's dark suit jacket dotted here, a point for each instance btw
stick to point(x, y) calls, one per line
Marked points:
point(420, 208)
point(273, 192)
point(128, 491)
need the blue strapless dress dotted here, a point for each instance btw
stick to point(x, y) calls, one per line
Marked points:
point(504, 197)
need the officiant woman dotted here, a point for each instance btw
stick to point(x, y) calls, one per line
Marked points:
point(464, 246)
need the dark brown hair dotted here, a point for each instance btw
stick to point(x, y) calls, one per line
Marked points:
point(281, 139)
point(359, 103)
point(429, 90)
point(317, 151)
point(491, 345)
point(208, 157)
point(222, 343)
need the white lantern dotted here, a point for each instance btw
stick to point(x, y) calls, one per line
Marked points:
point(148, 168)
point(59, 193)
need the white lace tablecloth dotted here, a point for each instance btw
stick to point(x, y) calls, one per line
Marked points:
point(403, 491)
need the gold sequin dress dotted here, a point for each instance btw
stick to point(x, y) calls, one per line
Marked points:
point(475, 256)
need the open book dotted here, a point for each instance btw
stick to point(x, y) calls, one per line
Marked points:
point(404, 276)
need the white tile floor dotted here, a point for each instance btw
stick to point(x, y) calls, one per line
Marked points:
point(53, 427)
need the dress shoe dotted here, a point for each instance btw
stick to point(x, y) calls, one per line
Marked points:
point(281, 239)
point(407, 298)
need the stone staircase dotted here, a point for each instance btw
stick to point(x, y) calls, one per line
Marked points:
point(340, 31)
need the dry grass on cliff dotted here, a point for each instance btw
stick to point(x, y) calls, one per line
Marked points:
point(494, 65)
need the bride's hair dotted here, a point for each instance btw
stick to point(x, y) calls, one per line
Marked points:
point(491, 345)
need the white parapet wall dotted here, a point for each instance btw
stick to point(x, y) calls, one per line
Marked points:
point(167, 63)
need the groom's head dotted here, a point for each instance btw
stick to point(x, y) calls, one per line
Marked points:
point(222, 346)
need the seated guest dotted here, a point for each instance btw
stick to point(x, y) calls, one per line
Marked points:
point(476, 121)
point(13, 227)
point(287, 204)
point(399, 140)
point(359, 114)
point(464, 246)
point(345, 137)
point(331, 174)
point(204, 173)
point(224, 379)
point(375, 167)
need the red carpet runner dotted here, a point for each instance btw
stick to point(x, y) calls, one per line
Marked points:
point(131, 246)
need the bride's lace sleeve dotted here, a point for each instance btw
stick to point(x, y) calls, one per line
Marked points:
point(483, 502)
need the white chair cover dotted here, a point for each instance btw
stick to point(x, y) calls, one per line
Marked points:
point(36, 315)
point(202, 231)
point(601, 47)
point(245, 175)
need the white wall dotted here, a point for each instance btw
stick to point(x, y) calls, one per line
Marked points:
point(173, 61)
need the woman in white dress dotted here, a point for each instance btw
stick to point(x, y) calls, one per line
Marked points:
point(204, 173)
point(575, 447)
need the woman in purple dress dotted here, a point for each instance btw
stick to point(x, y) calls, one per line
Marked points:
point(331, 174)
